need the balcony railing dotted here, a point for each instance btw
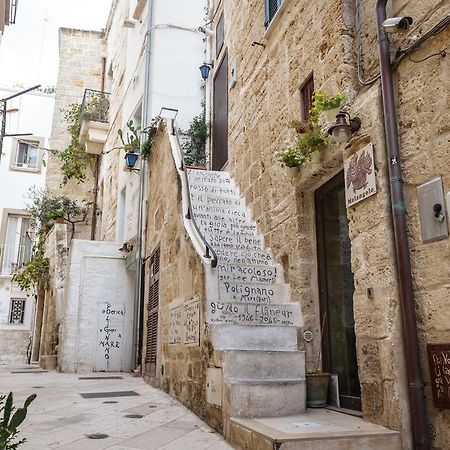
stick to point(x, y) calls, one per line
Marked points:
point(13, 258)
point(95, 106)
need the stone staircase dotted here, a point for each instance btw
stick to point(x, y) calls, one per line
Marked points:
point(252, 319)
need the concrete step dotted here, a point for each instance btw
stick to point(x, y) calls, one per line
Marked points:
point(237, 241)
point(240, 337)
point(254, 314)
point(215, 190)
point(249, 274)
point(230, 291)
point(268, 399)
point(317, 429)
point(248, 257)
point(263, 365)
point(218, 200)
point(209, 177)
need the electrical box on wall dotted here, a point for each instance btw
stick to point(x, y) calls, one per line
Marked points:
point(432, 211)
point(214, 386)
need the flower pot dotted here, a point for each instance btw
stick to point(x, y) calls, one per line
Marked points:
point(317, 389)
point(59, 219)
point(292, 172)
point(315, 156)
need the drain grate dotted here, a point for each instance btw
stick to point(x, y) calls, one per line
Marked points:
point(30, 371)
point(134, 416)
point(108, 394)
point(37, 387)
point(100, 378)
point(97, 436)
point(110, 401)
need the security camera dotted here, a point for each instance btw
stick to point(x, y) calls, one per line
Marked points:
point(206, 31)
point(397, 24)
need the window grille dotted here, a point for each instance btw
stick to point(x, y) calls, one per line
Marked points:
point(17, 312)
point(272, 6)
point(306, 98)
point(152, 318)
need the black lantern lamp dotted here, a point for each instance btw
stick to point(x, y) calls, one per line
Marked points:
point(344, 127)
point(205, 68)
point(131, 159)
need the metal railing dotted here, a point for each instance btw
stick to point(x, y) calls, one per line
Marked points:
point(209, 251)
point(12, 11)
point(95, 106)
point(13, 258)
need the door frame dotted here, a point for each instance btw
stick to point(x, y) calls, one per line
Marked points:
point(346, 402)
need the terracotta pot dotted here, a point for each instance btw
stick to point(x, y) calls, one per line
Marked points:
point(317, 389)
point(59, 219)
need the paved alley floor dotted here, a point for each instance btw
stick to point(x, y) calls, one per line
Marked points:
point(62, 418)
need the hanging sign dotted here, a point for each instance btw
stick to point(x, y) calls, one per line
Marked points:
point(359, 174)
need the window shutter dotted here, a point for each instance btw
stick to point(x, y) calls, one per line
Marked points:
point(152, 318)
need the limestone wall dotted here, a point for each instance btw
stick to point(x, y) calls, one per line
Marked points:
point(80, 68)
point(319, 38)
point(180, 368)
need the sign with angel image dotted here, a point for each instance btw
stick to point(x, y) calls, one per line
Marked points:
point(359, 175)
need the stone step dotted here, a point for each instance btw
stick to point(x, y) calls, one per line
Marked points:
point(213, 190)
point(247, 257)
point(263, 365)
point(318, 429)
point(236, 241)
point(230, 291)
point(249, 274)
point(218, 200)
point(254, 314)
point(269, 399)
point(209, 177)
point(239, 337)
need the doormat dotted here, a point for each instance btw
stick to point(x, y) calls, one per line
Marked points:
point(109, 394)
point(100, 378)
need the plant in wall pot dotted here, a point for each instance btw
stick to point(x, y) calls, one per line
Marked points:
point(325, 107)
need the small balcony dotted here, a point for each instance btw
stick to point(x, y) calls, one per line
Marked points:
point(94, 120)
point(13, 258)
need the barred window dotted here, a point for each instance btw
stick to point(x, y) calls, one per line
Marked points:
point(17, 312)
point(272, 6)
point(307, 98)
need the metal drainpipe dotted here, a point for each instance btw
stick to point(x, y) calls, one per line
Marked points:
point(145, 120)
point(412, 354)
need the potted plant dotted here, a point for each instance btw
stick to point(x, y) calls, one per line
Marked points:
point(325, 107)
point(291, 158)
point(317, 381)
point(57, 215)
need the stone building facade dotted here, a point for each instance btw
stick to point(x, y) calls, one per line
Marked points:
point(273, 58)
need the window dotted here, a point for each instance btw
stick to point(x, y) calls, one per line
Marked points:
point(18, 243)
point(27, 155)
point(272, 6)
point(220, 35)
point(306, 98)
point(17, 312)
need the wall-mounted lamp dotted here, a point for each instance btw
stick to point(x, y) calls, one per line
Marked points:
point(131, 159)
point(205, 69)
point(126, 248)
point(342, 129)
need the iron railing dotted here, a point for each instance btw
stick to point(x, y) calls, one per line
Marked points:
point(12, 11)
point(13, 258)
point(95, 106)
point(209, 251)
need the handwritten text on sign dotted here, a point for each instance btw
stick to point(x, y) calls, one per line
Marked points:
point(184, 323)
point(439, 360)
point(175, 324)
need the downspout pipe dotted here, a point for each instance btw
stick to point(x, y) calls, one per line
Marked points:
point(412, 354)
point(146, 107)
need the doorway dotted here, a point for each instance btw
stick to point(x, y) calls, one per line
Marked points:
point(336, 288)
point(220, 116)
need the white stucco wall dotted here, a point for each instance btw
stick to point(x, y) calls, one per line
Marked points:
point(29, 113)
point(96, 274)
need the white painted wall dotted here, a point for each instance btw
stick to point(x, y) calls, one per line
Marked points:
point(96, 275)
point(29, 113)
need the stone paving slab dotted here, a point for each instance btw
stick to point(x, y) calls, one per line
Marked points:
point(61, 418)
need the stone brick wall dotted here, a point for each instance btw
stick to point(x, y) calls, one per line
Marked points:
point(181, 369)
point(13, 347)
point(319, 38)
point(80, 68)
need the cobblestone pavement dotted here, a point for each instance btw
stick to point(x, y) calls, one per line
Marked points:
point(62, 418)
